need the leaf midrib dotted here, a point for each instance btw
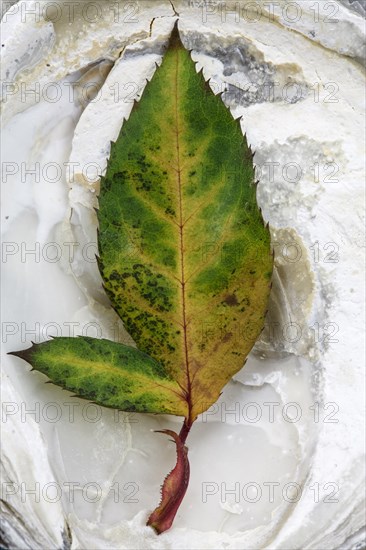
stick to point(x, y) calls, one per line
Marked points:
point(181, 236)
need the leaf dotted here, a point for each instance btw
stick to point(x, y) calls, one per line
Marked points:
point(184, 253)
point(110, 374)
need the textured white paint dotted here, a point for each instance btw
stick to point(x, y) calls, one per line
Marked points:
point(125, 450)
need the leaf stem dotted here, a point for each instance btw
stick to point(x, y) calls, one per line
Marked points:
point(183, 434)
point(173, 490)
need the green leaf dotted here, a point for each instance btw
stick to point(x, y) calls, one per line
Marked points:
point(107, 373)
point(184, 253)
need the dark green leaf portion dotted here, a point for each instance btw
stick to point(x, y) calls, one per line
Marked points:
point(108, 373)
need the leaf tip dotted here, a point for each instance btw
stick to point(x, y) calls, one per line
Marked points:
point(175, 39)
point(24, 354)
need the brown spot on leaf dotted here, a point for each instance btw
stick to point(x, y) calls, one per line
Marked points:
point(231, 300)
